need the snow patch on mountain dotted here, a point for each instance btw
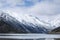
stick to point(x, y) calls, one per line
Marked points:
point(36, 20)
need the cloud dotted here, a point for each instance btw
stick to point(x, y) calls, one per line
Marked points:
point(17, 3)
point(39, 7)
point(11, 3)
point(46, 8)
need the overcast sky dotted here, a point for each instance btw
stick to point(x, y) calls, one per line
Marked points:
point(47, 10)
point(41, 7)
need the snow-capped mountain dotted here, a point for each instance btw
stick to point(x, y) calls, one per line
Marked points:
point(27, 23)
point(34, 20)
